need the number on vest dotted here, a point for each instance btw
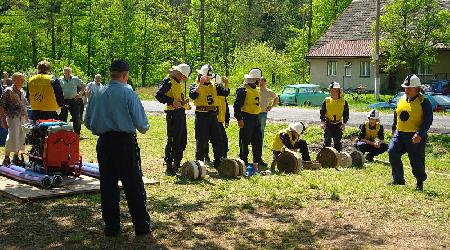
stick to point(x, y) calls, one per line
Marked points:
point(210, 100)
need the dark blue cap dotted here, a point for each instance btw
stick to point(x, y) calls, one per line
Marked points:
point(119, 66)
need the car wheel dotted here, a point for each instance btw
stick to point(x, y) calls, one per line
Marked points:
point(307, 103)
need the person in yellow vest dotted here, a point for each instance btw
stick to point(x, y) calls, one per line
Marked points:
point(172, 93)
point(205, 93)
point(45, 94)
point(412, 120)
point(246, 111)
point(290, 138)
point(368, 132)
point(223, 114)
point(334, 115)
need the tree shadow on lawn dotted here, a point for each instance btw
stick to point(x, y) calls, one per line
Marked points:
point(61, 224)
point(247, 227)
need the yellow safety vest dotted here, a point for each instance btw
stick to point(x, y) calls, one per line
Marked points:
point(371, 134)
point(221, 108)
point(277, 143)
point(409, 114)
point(251, 103)
point(335, 109)
point(176, 92)
point(42, 95)
point(207, 96)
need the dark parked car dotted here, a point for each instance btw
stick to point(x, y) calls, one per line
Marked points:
point(443, 102)
point(392, 103)
point(436, 86)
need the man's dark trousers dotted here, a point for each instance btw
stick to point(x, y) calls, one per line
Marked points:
point(372, 151)
point(224, 139)
point(401, 143)
point(176, 136)
point(72, 106)
point(118, 160)
point(250, 134)
point(207, 128)
point(333, 131)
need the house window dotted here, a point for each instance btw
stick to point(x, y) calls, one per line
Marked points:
point(331, 68)
point(348, 69)
point(424, 69)
point(365, 69)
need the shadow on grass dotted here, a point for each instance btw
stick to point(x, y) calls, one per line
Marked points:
point(76, 223)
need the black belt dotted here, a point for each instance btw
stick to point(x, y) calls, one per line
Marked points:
point(117, 133)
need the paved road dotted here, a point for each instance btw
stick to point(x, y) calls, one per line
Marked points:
point(441, 124)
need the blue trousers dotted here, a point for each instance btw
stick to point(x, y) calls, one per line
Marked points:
point(263, 120)
point(333, 131)
point(250, 134)
point(206, 129)
point(371, 150)
point(401, 143)
point(176, 136)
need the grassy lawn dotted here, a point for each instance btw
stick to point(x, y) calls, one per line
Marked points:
point(349, 208)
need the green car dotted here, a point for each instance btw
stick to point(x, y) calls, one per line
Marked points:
point(302, 94)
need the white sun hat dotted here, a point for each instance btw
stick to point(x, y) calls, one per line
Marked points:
point(254, 73)
point(206, 70)
point(374, 114)
point(298, 127)
point(334, 85)
point(183, 68)
point(217, 79)
point(411, 81)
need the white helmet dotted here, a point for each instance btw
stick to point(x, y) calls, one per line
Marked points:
point(218, 79)
point(374, 114)
point(183, 68)
point(298, 127)
point(206, 70)
point(334, 85)
point(254, 73)
point(411, 81)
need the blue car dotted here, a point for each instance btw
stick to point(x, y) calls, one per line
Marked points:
point(436, 87)
point(392, 103)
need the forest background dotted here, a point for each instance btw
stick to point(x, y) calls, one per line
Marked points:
point(233, 36)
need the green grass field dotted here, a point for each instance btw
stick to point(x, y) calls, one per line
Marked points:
point(350, 208)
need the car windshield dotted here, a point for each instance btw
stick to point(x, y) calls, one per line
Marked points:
point(442, 99)
point(397, 97)
point(289, 90)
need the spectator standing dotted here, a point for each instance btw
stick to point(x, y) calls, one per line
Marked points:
point(69, 85)
point(268, 100)
point(114, 113)
point(13, 113)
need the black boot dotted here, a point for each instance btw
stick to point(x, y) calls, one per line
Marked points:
point(169, 169)
point(419, 185)
point(6, 161)
point(176, 167)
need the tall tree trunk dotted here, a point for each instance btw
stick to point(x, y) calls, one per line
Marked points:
point(145, 56)
point(89, 47)
point(70, 38)
point(52, 29)
point(202, 31)
point(310, 23)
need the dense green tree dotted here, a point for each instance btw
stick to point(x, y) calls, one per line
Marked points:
point(153, 35)
point(410, 32)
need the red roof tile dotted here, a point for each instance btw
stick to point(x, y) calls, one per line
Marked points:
point(343, 48)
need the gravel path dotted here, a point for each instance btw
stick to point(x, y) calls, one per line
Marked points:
point(441, 124)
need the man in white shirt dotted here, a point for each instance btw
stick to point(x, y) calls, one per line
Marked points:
point(268, 100)
point(94, 86)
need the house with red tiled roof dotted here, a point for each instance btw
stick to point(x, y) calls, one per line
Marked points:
point(344, 53)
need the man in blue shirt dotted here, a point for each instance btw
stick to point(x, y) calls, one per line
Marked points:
point(114, 113)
